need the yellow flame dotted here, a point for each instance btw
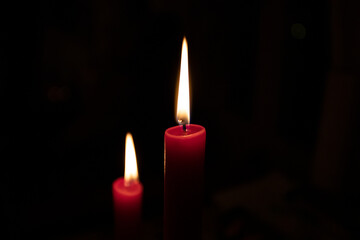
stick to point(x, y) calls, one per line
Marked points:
point(183, 101)
point(131, 170)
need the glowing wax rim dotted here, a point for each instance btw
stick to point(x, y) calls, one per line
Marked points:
point(193, 130)
point(134, 189)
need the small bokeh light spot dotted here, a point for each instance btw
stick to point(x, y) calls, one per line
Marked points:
point(298, 31)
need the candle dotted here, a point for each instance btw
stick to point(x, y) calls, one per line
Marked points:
point(127, 196)
point(184, 162)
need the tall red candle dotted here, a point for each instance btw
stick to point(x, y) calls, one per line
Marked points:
point(127, 196)
point(184, 167)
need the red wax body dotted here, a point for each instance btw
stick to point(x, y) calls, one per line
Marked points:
point(127, 209)
point(183, 193)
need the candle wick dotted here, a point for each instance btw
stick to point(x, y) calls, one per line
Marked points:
point(127, 183)
point(183, 123)
point(130, 182)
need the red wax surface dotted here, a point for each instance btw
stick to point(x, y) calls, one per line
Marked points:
point(184, 172)
point(127, 209)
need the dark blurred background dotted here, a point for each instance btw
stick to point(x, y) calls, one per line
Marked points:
point(275, 84)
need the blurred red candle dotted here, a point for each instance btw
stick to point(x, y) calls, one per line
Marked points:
point(184, 167)
point(127, 195)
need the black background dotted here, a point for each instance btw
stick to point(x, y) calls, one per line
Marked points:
point(274, 97)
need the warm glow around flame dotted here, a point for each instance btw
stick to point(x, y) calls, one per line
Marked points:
point(183, 101)
point(131, 170)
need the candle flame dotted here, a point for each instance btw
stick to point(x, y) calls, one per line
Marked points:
point(131, 170)
point(183, 100)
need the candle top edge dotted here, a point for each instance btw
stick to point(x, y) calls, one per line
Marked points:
point(134, 189)
point(193, 130)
